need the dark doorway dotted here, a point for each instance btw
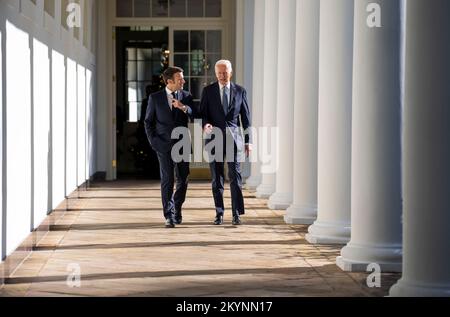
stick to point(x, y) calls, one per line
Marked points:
point(142, 56)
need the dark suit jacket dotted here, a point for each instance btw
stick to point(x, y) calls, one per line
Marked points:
point(238, 112)
point(160, 121)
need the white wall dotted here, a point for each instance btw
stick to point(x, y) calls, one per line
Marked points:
point(82, 125)
point(90, 121)
point(58, 82)
point(41, 126)
point(47, 97)
point(71, 126)
point(18, 136)
point(104, 91)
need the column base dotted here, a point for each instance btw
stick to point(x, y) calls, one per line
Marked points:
point(265, 190)
point(253, 182)
point(280, 201)
point(301, 215)
point(328, 233)
point(406, 289)
point(357, 257)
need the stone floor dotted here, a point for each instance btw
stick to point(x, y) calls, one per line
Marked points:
point(114, 235)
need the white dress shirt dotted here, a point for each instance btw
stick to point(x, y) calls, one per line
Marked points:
point(170, 98)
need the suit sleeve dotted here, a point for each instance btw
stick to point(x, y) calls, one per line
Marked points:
point(246, 118)
point(204, 108)
point(150, 119)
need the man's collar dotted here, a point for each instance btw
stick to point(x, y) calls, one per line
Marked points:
point(228, 85)
point(169, 92)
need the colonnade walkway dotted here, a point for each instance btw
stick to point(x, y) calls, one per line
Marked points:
point(113, 234)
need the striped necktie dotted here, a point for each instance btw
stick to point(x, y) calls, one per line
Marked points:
point(225, 100)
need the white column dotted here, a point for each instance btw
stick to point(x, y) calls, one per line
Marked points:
point(335, 107)
point(426, 152)
point(282, 198)
point(238, 72)
point(267, 186)
point(258, 87)
point(376, 198)
point(304, 207)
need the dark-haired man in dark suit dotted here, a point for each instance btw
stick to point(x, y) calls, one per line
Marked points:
point(224, 107)
point(168, 109)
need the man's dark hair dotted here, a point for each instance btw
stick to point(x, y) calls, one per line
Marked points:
point(170, 72)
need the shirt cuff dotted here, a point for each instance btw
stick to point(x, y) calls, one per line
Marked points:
point(188, 110)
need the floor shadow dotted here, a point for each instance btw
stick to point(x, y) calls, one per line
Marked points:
point(106, 189)
point(158, 225)
point(176, 273)
point(147, 197)
point(289, 281)
point(148, 209)
point(169, 244)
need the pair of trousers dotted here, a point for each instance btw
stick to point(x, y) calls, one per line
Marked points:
point(218, 178)
point(169, 170)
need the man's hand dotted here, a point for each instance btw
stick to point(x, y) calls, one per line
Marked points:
point(248, 149)
point(177, 104)
point(208, 129)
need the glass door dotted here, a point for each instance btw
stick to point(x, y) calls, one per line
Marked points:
point(142, 55)
point(197, 51)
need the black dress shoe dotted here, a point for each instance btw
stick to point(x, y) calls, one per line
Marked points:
point(219, 220)
point(178, 218)
point(236, 221)
point(170, 223)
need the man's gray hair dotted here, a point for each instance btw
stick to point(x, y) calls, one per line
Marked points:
point(225, 62)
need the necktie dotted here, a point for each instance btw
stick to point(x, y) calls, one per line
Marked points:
point(225, 100)
point(174, 95)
